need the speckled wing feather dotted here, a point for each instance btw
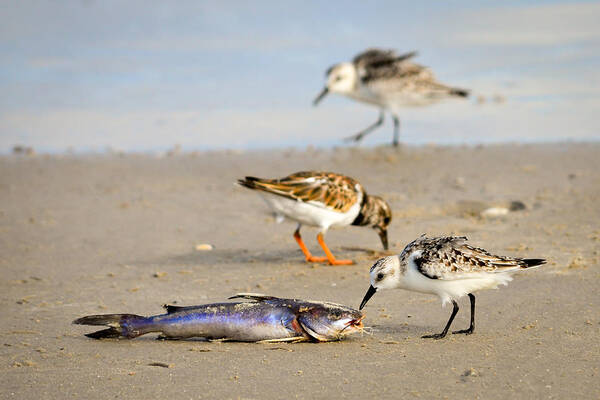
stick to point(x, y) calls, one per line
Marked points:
point(373, 58)
point(324, 189)
point(383, 71)
point(451, 257)
point(379, 65)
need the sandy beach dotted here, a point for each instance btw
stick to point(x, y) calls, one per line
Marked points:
point(118, 233)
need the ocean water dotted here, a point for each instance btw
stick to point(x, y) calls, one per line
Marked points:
point(149, 75)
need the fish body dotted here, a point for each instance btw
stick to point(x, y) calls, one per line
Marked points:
point(263, 318)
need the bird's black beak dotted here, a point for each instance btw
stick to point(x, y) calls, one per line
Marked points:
point(383, 236)
point(320, 96)
point(369, 294)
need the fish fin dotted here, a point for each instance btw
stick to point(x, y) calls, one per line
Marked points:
point(109, 333)
point(296, 339)
point(165, 337)
point(253, 296)
point(103, 319)
point(301, 339)
point(314, 335)
point(171, 309)
point(120, 325)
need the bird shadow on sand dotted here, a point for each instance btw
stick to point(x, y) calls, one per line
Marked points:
point(382, 330)
point(251, 259)
point(219, 257)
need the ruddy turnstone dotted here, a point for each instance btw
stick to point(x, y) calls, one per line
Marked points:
point(448, 267)
point(324, 200)
point(389, 81)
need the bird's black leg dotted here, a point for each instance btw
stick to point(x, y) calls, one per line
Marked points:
point(396, 130)
point(358, 137)
point(441, 335)
point(472, 326)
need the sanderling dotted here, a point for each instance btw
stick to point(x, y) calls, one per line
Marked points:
point(447, 267)
point(388, 81)
point(324, 200)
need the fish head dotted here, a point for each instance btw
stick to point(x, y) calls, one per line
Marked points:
point(328, 321)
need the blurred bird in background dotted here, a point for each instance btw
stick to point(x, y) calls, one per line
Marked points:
point(389, 81)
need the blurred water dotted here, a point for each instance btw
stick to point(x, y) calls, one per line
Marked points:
point(142, 75)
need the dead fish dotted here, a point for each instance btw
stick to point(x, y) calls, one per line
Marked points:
point(263, 319)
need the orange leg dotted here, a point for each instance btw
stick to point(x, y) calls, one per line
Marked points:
point(309, 257)
point(330, 257)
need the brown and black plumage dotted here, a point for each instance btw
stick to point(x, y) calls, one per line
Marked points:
point(324, 200)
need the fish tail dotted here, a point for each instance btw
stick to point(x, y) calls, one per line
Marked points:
point(120, 325)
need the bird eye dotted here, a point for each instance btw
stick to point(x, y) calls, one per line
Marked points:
point(380, 276)
point(338, 78)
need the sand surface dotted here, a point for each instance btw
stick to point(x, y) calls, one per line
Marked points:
point(117, 233)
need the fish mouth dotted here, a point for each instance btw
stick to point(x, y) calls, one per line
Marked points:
point(370, 292)
point(320, 96)
point(353, 325)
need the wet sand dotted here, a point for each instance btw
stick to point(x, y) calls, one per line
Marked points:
point(117, 233)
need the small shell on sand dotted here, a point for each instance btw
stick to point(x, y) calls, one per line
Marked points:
point(494, 212)
point(476, 208)
point(204, 247)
